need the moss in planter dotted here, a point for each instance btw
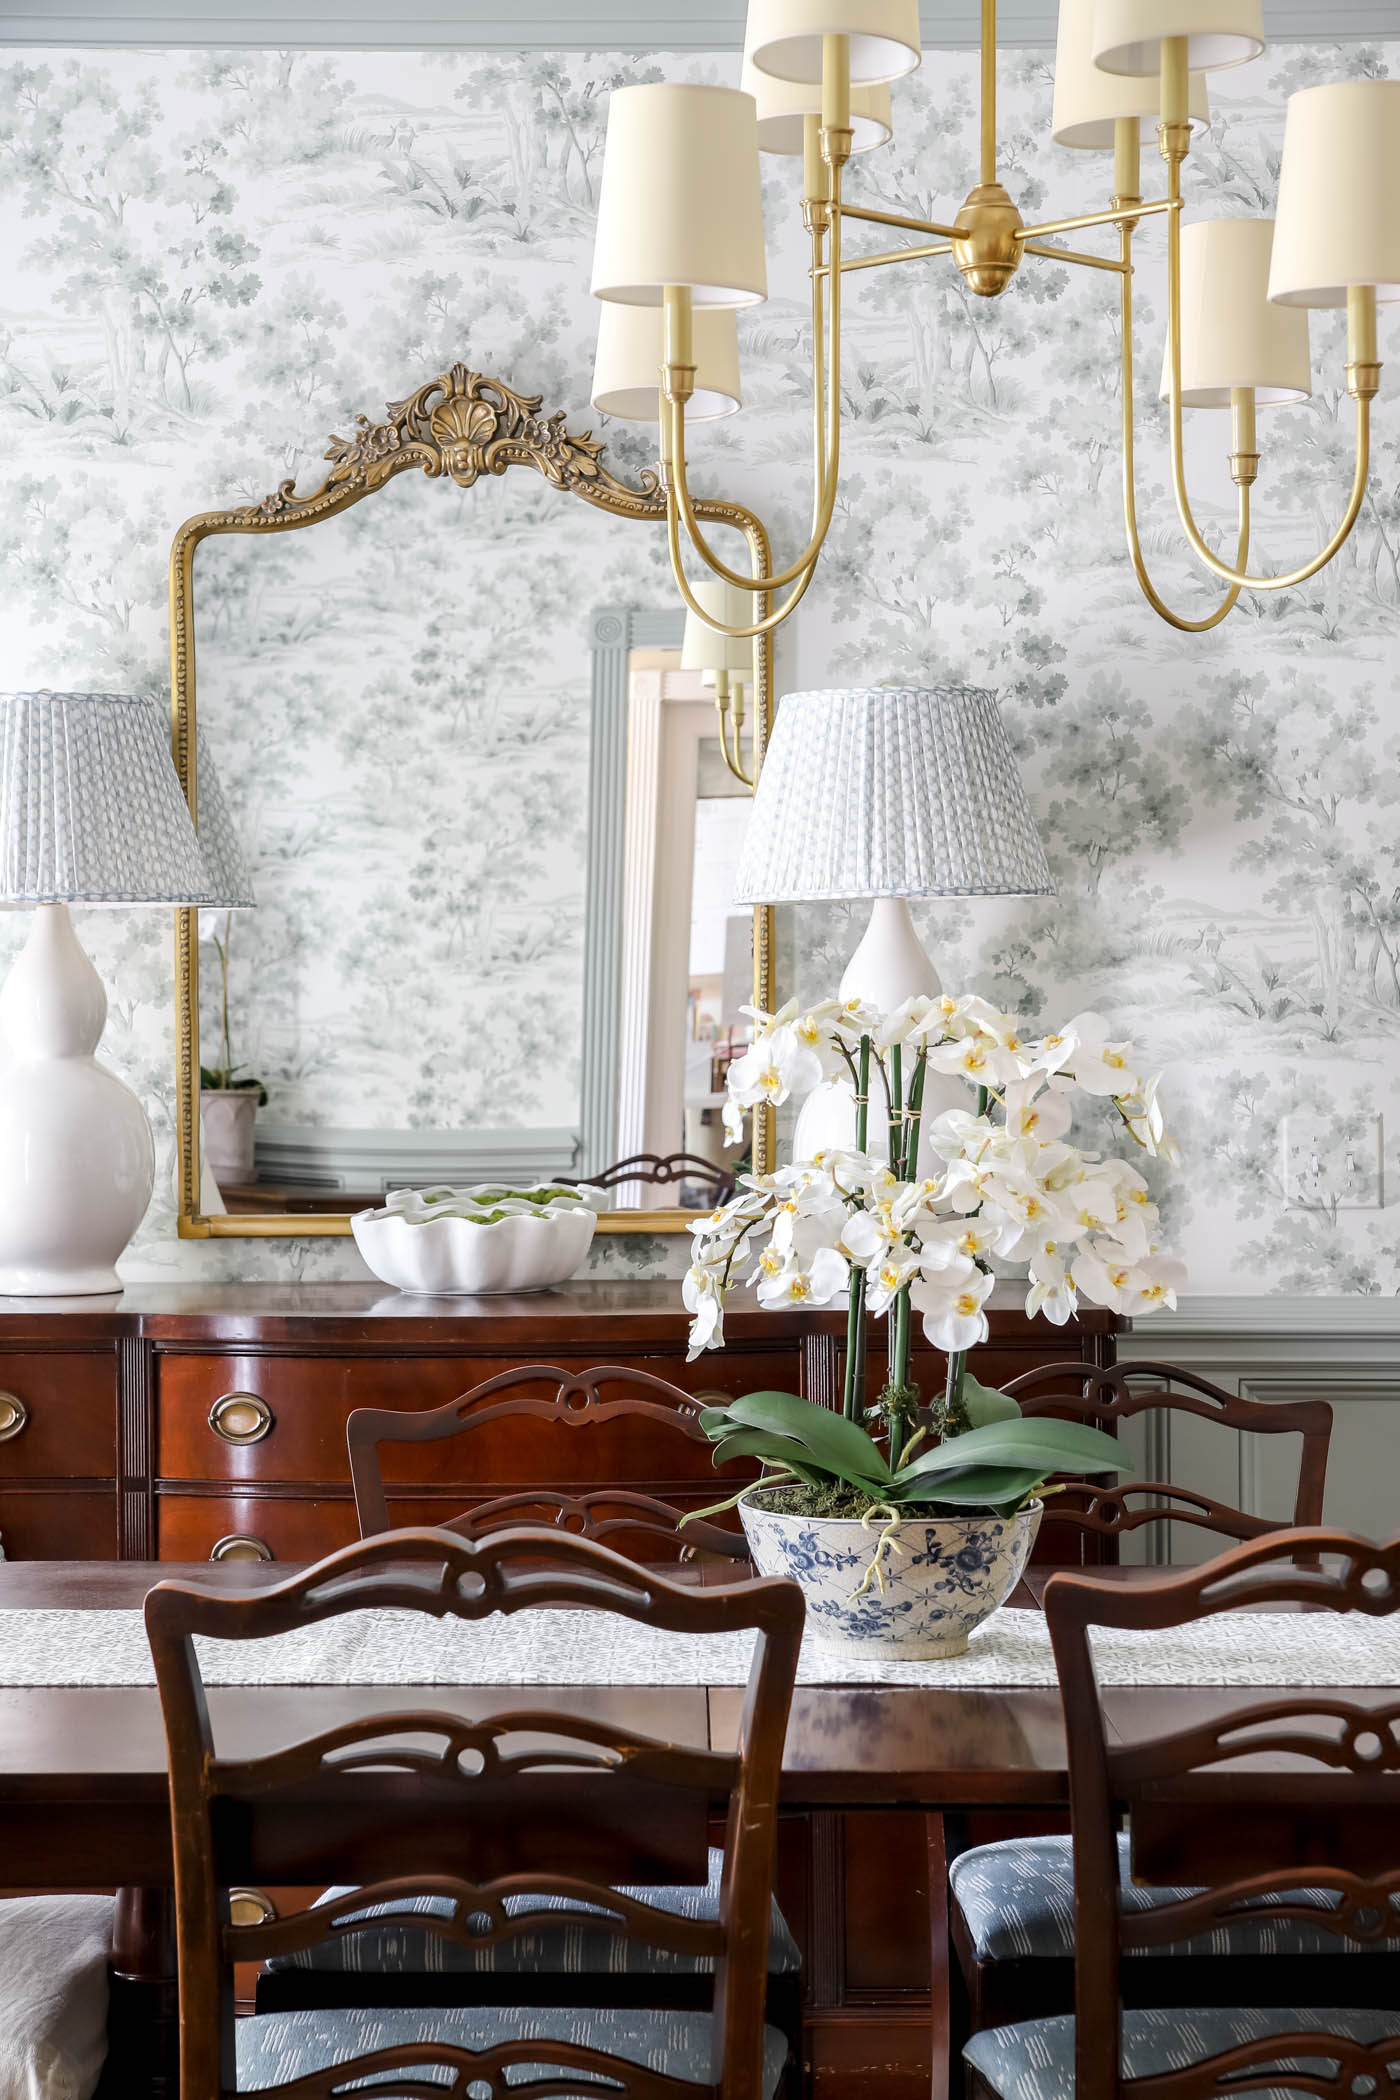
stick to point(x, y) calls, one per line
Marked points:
point(848, 1506)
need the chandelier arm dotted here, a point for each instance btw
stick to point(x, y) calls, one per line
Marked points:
point(818, 373)
point(1123, 212)
point(1178, 455)
point(763, 583)
point(1073, 255)
point(825, 508)
point(896, 218)
point(1130, 523)
point(892, 255)
point(736, 763)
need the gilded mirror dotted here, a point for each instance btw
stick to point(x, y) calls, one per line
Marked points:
point(487, 823)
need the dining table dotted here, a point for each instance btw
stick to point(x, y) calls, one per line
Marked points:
point(83, 1801)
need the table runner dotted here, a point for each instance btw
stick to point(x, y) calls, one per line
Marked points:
point(48, 1647)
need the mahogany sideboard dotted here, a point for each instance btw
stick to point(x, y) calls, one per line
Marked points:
point(195, 1422)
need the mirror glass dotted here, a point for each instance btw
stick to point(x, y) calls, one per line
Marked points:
point(398, 703)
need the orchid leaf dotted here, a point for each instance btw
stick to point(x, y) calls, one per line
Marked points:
point(1052, 1446)
point(832, 1443)
point(1001, 1489)
point(983, 1403)
point(773, 1450)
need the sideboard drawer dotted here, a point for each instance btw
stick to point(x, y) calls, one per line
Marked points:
point(194, 1527)
point(58, 1416)
point(77, 1523)
point(254, 1418)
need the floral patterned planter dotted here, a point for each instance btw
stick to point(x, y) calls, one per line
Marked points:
point(950, 1575)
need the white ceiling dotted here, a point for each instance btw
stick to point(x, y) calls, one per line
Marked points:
point(611, 25)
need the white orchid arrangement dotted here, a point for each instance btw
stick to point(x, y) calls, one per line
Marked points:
point(896, 1239)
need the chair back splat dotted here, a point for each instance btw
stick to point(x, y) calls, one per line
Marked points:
point(1292, 1799)
point(476, 1806)
point(1090, 1516)
point(651, 1418)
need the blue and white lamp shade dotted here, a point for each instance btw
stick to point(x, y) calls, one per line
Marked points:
point(890, 791)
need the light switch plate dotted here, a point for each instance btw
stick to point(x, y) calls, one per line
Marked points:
point(1333, 1163)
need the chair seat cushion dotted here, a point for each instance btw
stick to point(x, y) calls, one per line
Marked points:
point(1035, 2059)
point(274, 2047)
point(1017, 1899)
point(53, 1995)
point(564, 1943)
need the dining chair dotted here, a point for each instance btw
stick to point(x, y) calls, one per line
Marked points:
point(54, 1952)
point(1232, 1805)
point(566, 1952)
point(1011, 1902)
point(485, 1814)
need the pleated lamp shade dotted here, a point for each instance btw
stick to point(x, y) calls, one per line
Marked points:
point(890, 791)
point(90, 805)
point(706, 648)
point(229, 884)
point(1088, 101)
point(627, 366)
point(784, 106)
point(681, 198)
point(1230, 335)
point(1338, 218)
point(1128, 34)
point(784, 37)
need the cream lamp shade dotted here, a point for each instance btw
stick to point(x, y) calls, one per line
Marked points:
point(1128, 34)
point(705, 648)
point(1338, 221)
point(627, 363)
point(890, 791)
point(784, 37)
point(784, 106)
point(1230, 335)
point(1088, 102)
point(680, 202)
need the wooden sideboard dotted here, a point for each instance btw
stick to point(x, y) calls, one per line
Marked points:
point(181, 1423)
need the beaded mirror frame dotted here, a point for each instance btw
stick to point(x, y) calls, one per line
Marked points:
point(459, 427)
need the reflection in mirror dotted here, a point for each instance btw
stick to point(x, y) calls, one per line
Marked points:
point(400, 706)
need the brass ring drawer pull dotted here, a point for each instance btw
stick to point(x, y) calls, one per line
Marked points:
point(250, 1907)
point(13, 1416)
point(242, 1545)
point(241, 1418)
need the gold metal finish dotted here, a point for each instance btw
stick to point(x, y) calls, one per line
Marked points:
point(242, 1545)
point(241, 1418)
point(13, 1416)
point(989, 96)
point(1071, 255)
point(1174, 128)
point(988, 245)
point(459, 427)
point(836, 100)
point(1244, 441)
point(729, 705)
point(250, 1907)
point(1363, 358)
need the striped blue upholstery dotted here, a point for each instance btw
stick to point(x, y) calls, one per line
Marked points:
point(1035, 2060)
point(566, 1945)
point(1017, 1898)
point(276, 2047)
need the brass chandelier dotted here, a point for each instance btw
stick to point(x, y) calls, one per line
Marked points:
point(680, 244)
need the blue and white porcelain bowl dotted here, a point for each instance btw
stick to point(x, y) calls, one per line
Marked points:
point(949, 1575)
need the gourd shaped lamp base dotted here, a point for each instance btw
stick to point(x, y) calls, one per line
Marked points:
point(77, 1163)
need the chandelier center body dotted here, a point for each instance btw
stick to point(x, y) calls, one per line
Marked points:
point(988, 247)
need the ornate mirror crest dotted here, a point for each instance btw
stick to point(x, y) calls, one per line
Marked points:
point(459, 426)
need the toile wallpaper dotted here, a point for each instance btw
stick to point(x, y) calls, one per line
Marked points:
point(211, 262)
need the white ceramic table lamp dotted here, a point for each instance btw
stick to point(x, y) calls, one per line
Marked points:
point(90, 813)
point(888, 792)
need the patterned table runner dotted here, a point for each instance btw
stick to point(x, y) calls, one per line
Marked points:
point(588, 1648)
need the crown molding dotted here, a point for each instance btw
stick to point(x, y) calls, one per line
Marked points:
point(553, 25)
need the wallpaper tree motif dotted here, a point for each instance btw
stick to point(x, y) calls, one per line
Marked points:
point(211, 261)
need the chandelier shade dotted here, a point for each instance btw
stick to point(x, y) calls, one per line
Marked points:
point(890, 791)
point(90, 805)
point(680, 202)
point(1129, 34)
point(784, 106)
point(706, 648)
point(1339, 194)
point(1089, 102)
point(784, 37)
point(627, 363)
point(1230, 335)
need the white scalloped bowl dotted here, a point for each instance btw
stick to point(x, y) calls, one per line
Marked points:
point(451, 1256)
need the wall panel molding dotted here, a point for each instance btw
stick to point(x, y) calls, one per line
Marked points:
point(551, 25)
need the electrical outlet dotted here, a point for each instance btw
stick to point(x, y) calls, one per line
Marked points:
point(1333, 1163)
